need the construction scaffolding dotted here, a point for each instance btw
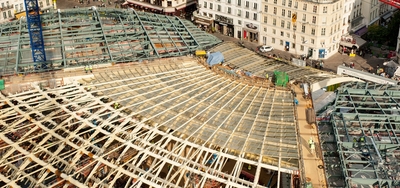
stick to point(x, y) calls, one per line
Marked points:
point(360, 137)
point(84, 36)
point(173, 124)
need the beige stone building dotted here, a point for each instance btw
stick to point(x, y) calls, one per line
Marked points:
point(310, 28)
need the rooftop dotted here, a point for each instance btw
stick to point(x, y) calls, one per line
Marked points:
point(360, 136)
point(83, 36)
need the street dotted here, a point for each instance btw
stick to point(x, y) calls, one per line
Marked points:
point(331, 64)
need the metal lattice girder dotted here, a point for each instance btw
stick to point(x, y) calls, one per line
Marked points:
point(35, 31)
point(83, 36)
point(177, 125)
point(365, 120)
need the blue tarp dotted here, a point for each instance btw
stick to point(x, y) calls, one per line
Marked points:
point(215, 58)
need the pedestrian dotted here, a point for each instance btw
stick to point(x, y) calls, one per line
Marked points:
point(86, 69)
point(116, 105)
point(90, 68)
point(321, 65)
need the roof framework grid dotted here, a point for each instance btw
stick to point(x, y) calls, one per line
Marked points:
point(365, 133)
point(82, 36)
point(177, 125)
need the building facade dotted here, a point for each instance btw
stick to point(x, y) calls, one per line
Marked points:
point(235, 18)
point(183, 8)
point(303, 27)
point(12, 9)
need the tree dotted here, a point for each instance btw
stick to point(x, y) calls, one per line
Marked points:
point(377, 33)
point(393, 29)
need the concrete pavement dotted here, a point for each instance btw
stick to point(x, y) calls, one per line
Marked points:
point(331, 64)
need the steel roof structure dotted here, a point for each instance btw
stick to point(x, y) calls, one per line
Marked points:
point(173, 124)
point(361, 137)
point(79, 37)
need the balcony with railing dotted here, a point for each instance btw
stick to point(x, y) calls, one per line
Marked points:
point(321, 1)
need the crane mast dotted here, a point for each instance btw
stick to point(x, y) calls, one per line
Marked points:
point(34, 24)
point(394, 3)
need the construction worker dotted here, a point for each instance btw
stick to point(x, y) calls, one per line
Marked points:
point(312, 147)
point(86, 69)
point(116, 105)
point(362, 139)
point(249, 167)
point(310, 142)
point(90, 68)
point(266, 76)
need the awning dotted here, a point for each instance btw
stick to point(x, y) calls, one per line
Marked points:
point(202, 23)
point(185, 5)
point(143, 4)
point(361, 31)
point(359, 41)
point(169, 10)
point(387, 15)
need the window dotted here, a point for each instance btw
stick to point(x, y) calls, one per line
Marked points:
point(281, 42)
point(288, 25)
point(275, 1)
point(301, 47)
point(21, 6)
point(240, 22)
point(315, 9)
point(205, 4)
point(210, 15)
point(290, 3)
point(283, 12)
point(288, 35)
point(229, 10)
point(314, 19)
point(293, 45)
point(229, 2)
point(265, 29)
point(304, 17)
point(296, 4)
point(255, 16)
point(274, 31)
point(274, 21)
point(274, 10)
point(16, 8)
point(48, 2)
point(239, 12)
point(282, 23)
point(289, 14)
point(218, 7)
point(312, 41)
point(312, 31)
point(273, 40)
point(2, 5)
point(303, 28)
point(40, 4)
point(323, 31)
point(282, 33)
point(305, 6)
point(247, 4)
point(4, 15)
point(303, 40)
point(255, 6)
point(211, 6)
point(266, 8)
point(239, 2)
point(265, 19)
point(247, 14)
point(283, 2)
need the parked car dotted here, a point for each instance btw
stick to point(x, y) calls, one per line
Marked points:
point(266, 48)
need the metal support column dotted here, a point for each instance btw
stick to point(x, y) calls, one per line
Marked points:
point(145, 31)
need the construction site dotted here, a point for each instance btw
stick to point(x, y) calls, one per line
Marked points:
point(153, 114)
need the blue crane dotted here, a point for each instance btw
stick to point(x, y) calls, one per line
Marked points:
point(35, 32)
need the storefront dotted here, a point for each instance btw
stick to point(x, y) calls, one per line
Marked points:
point(250, 32)
point(143, 6)
point(224, 25)
point(321, 53)
point(186, 10)
point(203, 22)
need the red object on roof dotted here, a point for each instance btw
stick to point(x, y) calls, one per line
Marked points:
point(394, 3)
